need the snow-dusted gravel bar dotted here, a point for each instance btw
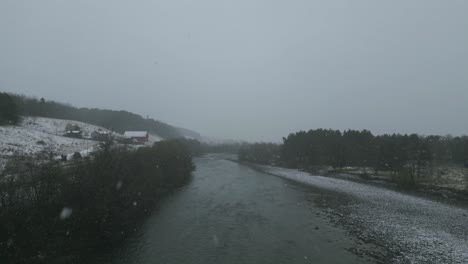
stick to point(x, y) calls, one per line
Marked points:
point(409, 229)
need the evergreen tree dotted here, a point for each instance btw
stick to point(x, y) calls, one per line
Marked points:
point(8, 110)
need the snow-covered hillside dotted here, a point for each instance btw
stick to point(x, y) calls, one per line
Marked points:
point(35, 134)
point(56, 126)
point(154, 138)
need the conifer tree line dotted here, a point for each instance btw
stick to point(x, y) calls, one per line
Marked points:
point(409, 156)
point(9, 112)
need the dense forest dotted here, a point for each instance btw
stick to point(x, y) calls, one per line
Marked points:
point(9, 113)
point(199, 148)
point(50, 212)
point(407, 157)
point(118, 121)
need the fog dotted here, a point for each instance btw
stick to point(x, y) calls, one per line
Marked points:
point(253, 70)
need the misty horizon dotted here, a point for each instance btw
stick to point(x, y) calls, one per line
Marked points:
point(245, 70)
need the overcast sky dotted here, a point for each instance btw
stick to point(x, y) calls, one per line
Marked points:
point(247, 69)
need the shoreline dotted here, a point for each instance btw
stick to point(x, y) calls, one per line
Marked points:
point(405, 227)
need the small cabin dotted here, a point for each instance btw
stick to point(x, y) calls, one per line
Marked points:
point(74, 134)
point(138, 136)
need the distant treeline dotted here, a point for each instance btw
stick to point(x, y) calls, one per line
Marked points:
point(9, 112)
point(55, 214)
point(119, 121)
point(406, 156)
point(197, 148)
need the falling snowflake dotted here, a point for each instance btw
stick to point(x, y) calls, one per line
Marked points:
point(66, 213)
point(118, 185)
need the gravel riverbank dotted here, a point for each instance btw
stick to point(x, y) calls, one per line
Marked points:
point(408, 229)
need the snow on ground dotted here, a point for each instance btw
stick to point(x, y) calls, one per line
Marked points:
point(36, 134)
point(154, 138)
point(414, 229)
point(83, 153)
point(56, 126)
point(454, 177)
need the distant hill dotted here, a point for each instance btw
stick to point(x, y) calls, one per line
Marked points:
point(186, 133)
point(118, 121)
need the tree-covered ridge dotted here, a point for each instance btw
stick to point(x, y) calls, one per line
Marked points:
point(118, 121)
point(407, 157)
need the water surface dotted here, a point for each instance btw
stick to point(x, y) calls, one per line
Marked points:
point(230, 213)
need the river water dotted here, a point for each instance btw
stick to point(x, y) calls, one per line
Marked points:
point(230, 213)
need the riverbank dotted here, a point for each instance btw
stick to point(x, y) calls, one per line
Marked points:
point(406, 228)
point(52, 214)
point(445, 194)
point(442, 189)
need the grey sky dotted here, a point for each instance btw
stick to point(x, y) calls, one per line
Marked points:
point(246, 69)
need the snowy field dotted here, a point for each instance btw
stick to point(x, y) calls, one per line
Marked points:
point(413, 229)
point(36, 134)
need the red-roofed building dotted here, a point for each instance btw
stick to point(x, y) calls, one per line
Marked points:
point(139, 136)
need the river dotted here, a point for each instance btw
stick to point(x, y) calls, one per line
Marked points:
point(230, 213)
